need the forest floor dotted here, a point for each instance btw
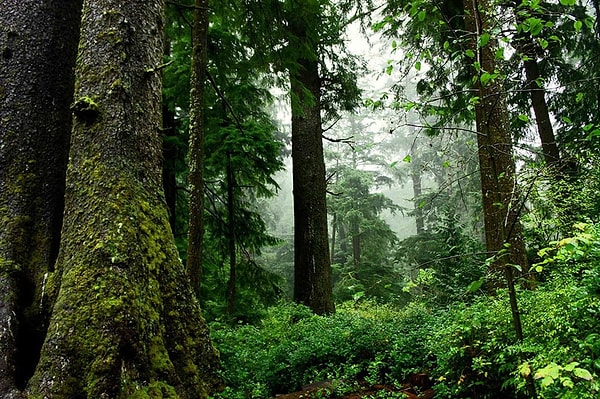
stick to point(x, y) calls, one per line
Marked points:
point(418, 387)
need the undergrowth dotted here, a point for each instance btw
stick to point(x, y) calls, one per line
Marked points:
point(468, 350)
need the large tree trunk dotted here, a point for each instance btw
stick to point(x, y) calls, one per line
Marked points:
point(36, 88)
point(125, 321)
point(196, 150)
point(312, 270)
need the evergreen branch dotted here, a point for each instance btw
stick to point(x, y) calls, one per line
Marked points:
point(347, 140)
point(221, 95)
point(360, 16)
point(332, 125)
point(187, 6)
point(160, 67)
point(420, 265)
point(441, 127)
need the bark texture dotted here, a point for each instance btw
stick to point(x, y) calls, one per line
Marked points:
point(312, 270)
point(196, 150)
point(125, 323)
point(36, 88)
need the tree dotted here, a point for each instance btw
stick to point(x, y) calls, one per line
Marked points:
point(196, 149)
point(124, 320)
point(301, 41)
point(501, 202)
point(36, 89)
point(312, 270)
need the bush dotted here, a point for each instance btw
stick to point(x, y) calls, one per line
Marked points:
point(470, 350)
point(292, 347)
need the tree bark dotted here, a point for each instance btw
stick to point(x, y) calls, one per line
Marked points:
point(36, 89)
point(312, 270)
point(196, 150)
point(169, 173)
point(125, 322)
point(416, 171)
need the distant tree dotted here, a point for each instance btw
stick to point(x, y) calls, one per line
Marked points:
point(367, 267)
point(302, 42)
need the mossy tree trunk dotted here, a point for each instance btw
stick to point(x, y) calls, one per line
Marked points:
point(125, 322)
point(36, 88)
point(312, 270)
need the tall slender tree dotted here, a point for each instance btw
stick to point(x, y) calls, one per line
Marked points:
point(36, 88)
point(496, 160)
point(302, 40)
point(196, 149)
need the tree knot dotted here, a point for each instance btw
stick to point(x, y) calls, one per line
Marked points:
point(85, 109)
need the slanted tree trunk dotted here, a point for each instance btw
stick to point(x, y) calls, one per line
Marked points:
point(196, 150)
point(526, 47)
point(312, 270)
point(125, 322)
point(36, 88)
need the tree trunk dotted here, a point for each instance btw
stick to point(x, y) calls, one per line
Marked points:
point(355, 244)
point(36, 89)
point(416, 171)
point(169, 166)
point(196, 150)
point(542, 115)
point(496, 162)
point(526, 47)
point(312, 270)
point(231, 283)
point(125, 322)
point(333, 232)
point(497, 168)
